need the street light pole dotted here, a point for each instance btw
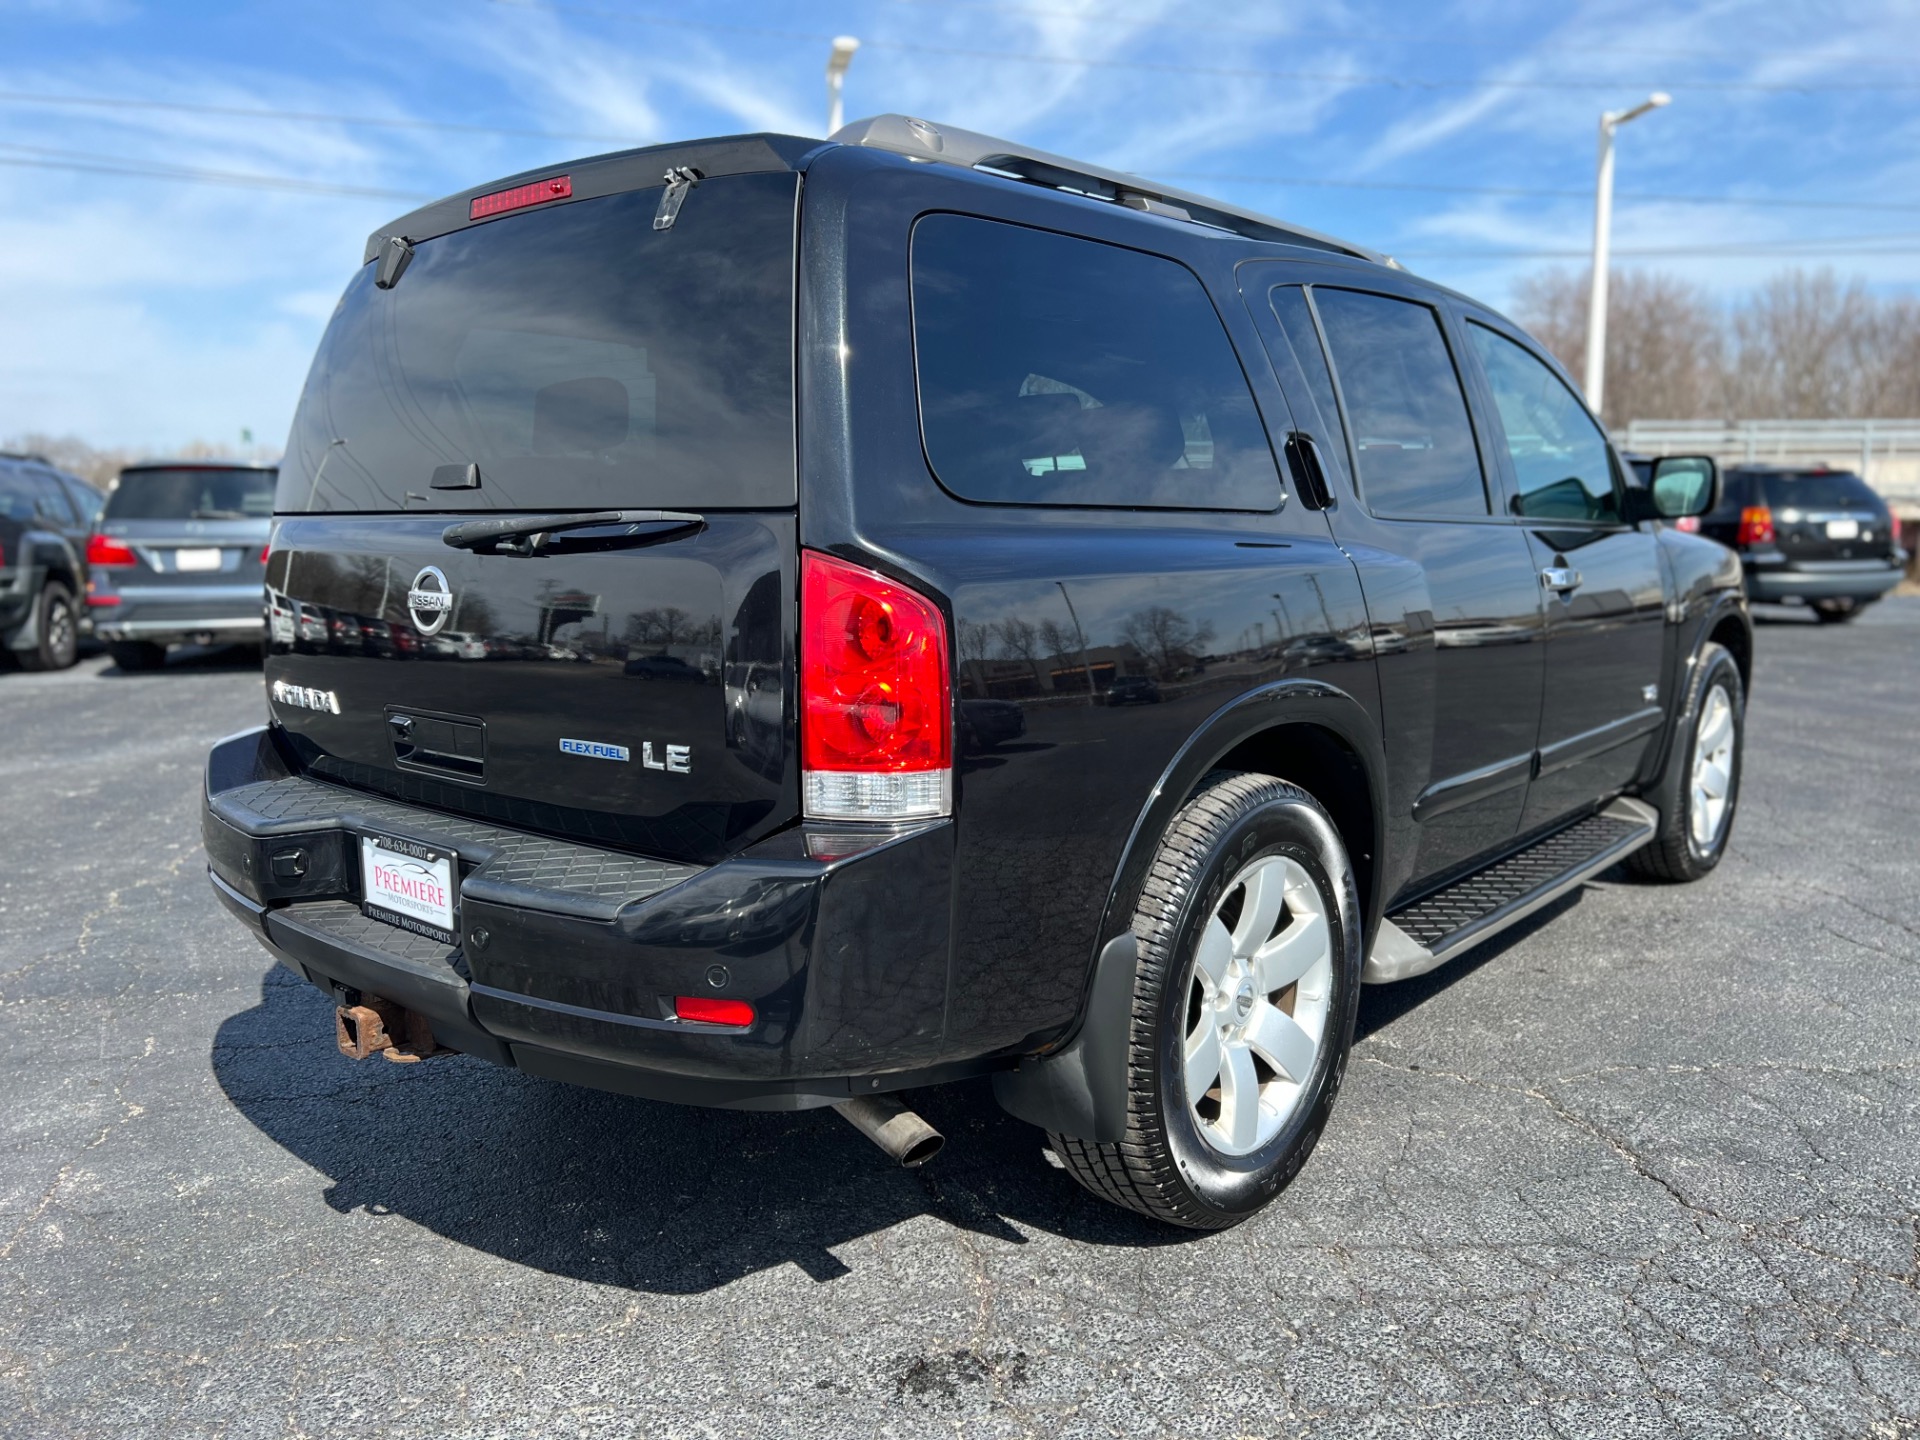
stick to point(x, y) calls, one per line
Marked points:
point(837, 62)
point(1610, 120)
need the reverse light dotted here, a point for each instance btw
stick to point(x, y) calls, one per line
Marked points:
point(712, 1010)
point(876, 703)
point(104, 550)
point(560, 187)
point(1756, 526)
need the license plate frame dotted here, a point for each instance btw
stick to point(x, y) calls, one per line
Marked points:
point(1843, 529)
point(411, 886)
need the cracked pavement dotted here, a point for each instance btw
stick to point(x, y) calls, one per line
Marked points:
point(1647, 1166)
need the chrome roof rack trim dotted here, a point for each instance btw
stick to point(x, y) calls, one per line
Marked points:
point(942, 144)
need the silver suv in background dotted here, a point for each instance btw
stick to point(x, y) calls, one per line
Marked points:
point(179, 556)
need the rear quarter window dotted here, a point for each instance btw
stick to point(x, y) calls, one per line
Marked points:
point(1059, 371)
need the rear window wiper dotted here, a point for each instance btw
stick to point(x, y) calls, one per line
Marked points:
point(530, 534)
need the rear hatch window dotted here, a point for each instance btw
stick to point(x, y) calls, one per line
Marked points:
point(192, 493)
point(579, 358)
point(1828, 515)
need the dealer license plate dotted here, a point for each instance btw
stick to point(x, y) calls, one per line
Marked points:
point(408, 885)
point(1843, 529)
point(196, 559)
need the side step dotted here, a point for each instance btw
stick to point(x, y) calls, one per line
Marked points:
point(1416, 938)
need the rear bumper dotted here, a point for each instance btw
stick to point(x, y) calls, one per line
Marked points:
point(570, 956)
point(1834, 580)
point(162, 613)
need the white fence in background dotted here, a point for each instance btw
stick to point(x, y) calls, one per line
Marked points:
point(1885, 452)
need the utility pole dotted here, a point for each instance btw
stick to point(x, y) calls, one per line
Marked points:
point(837, 62)
point(1080, 638)
point(1610, 120)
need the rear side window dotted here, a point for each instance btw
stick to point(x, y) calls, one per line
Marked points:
point(1832, 490)
point(192, 494)
point(1058, 371)
point(580, 358)
point(1407, 418)
point(17, 495)
point(1303, 338)
point(1561, 464)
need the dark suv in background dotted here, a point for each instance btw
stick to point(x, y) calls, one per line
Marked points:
point(1816, 537)
point(759, 464)
point(44, 518)
point(179, 555)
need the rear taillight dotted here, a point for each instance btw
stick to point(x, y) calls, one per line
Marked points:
point(104, 550)
point(712, 1010)
point(1688, 523)
point(1756, 526)
point(876, 707)
point(265, 551)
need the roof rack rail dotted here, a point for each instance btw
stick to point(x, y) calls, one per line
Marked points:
point(29, 456)
point(922, 140)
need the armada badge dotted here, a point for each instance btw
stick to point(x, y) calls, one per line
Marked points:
point(430, 600)
point(305, 697)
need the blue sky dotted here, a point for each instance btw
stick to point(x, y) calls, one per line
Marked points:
point(145, 308)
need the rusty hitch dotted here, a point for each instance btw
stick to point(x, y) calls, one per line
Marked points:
point(380, 1027)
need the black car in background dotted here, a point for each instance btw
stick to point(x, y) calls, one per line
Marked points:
point(1816, 537)
point(44, 518)
point(180, 555)
point(1134, 690)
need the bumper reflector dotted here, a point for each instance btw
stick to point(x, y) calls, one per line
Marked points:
point(711, 1010)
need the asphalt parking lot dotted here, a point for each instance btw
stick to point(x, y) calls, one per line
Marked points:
point(1649, 1166)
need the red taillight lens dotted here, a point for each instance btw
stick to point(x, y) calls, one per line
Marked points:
point(560, 187)
point(876, 708)
point(265, 551)
point(103, 550)
point(711, 1010)
point(1756, 525)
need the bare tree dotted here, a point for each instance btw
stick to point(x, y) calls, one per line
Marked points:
point(1665, 340)
point(1167, 638)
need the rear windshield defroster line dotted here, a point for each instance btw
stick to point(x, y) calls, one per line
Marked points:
point(580, 359)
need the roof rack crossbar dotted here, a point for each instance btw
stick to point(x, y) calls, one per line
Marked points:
point(921, 140)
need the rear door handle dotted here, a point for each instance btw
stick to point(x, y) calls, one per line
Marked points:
point(1560, 579)
point(1309, 470)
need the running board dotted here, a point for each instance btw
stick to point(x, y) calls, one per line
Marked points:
point(1434, 929)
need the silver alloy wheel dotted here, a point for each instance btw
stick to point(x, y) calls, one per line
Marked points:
point(60, 633)
point(1713, 739)
point(1257, 1005)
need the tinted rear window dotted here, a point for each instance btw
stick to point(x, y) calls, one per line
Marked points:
point(1831, 491)
point(192, 494)
point(579, 357)
point(1057, 371)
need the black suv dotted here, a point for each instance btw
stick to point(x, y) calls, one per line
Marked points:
point(1817, 537)
point(758, 461)
point(44, 517)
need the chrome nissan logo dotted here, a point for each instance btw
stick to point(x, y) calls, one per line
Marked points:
point(430, 601)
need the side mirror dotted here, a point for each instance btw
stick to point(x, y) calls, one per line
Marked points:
point(1683, 485)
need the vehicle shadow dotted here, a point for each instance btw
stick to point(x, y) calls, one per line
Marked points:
point(1381, 1005)
point(193, 660)
point(622, 1191)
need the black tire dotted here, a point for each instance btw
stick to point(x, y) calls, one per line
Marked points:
point(1675, 854)
point(132, 655)
point(1162, 1166)
point(59, 629)
point(1838, 612)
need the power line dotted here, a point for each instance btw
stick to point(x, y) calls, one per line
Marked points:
point(1903, 243)
point(1525, 192)
point(41, 158)
point(1163, 67)
point(1451, 42)
point(117, 102)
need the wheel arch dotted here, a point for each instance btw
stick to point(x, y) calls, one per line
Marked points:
point(1309, 733)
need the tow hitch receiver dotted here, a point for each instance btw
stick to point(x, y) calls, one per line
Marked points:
point(380, 1027)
